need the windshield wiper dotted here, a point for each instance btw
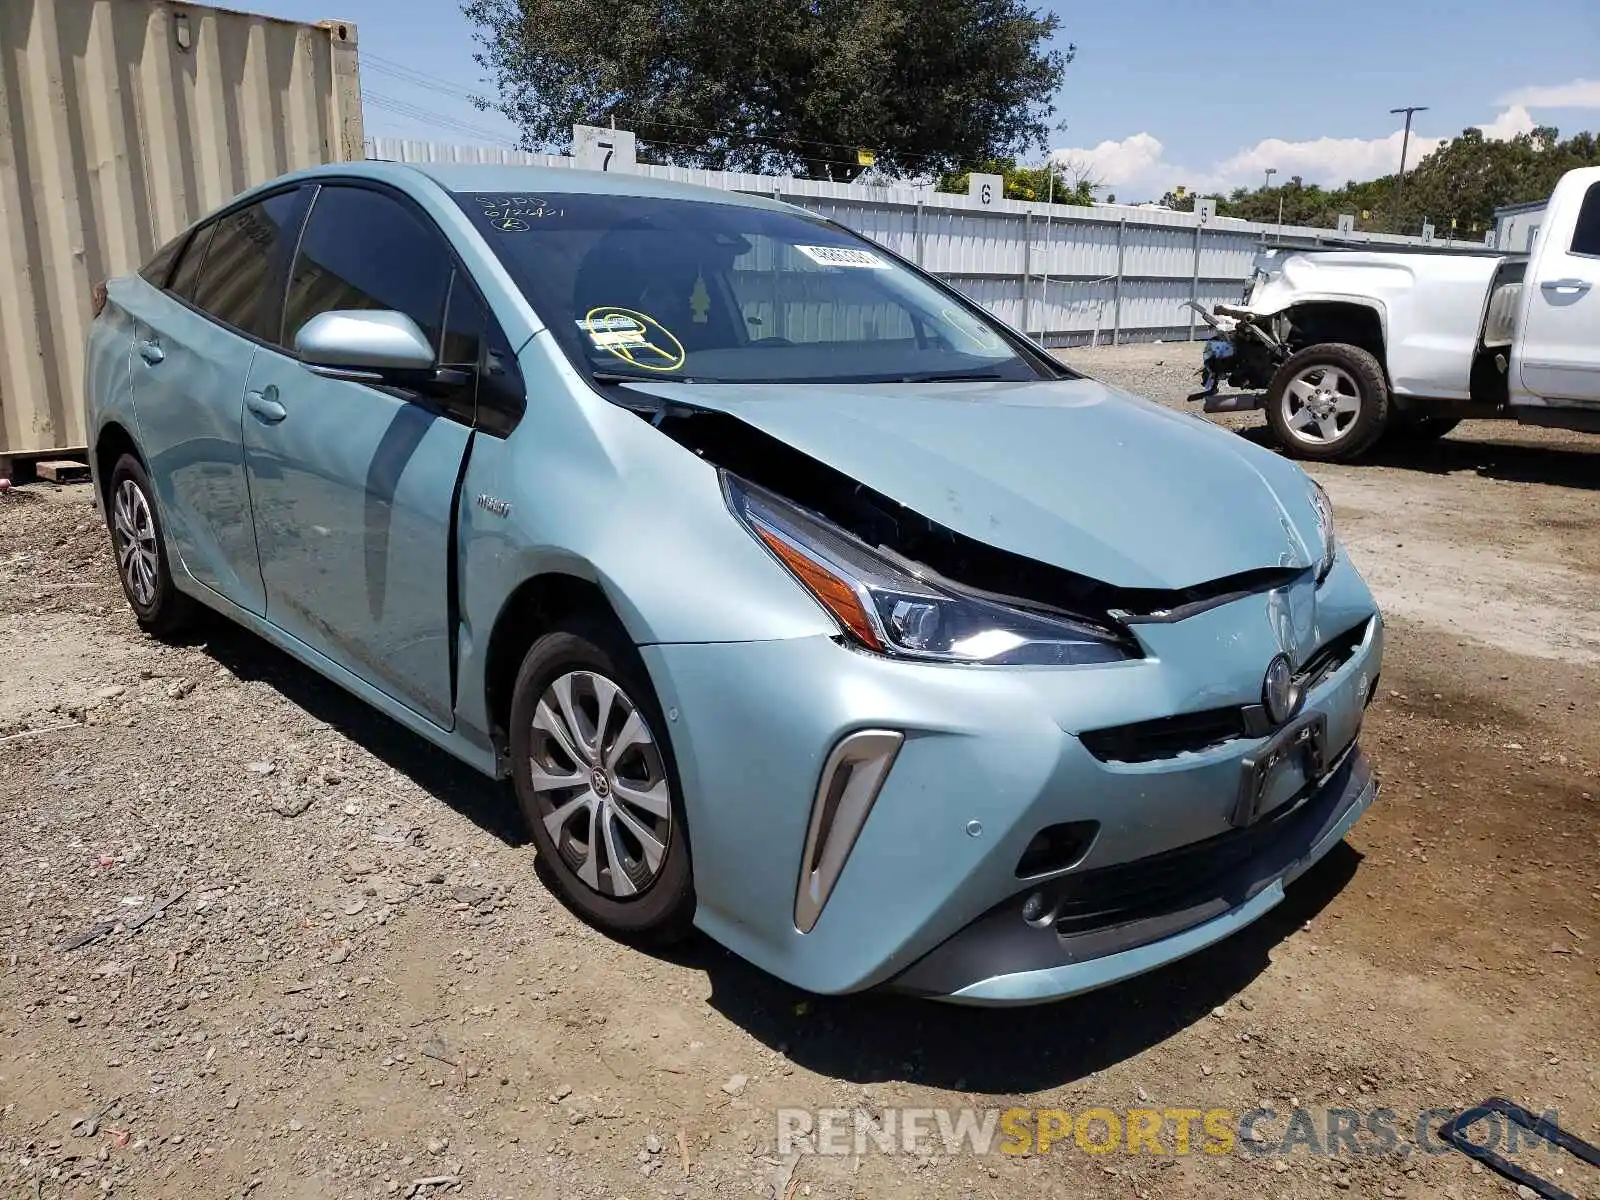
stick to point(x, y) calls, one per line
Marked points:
point(611, 377)
point(950, 377)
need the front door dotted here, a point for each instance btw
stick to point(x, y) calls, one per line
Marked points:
point(353, 485)
point(1559, 343)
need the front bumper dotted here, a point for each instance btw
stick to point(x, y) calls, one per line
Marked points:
point(990, 758)
point(1004, 958)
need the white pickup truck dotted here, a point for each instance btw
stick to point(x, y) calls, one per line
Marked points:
point(1347, 347)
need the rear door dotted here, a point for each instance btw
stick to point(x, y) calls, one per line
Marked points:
point(354, 485)
point(194, 341)
point(1558, 347)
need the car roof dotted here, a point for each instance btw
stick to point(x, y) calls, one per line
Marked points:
point(497, 177)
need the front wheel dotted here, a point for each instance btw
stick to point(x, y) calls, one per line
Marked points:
point(596, 780)
point(1329, 402)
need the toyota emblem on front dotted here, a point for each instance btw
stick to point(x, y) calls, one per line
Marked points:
point(1280, 696)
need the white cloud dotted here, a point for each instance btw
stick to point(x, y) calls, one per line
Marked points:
point(1508, 124)
point(1136, 167)
point(1114, 162)
point(1580, 93)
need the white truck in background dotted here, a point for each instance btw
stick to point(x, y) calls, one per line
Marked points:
point(1350, 347)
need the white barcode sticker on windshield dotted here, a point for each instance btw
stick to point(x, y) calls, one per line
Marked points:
point(843, 256)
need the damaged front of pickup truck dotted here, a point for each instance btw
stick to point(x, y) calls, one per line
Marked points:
point(1344, 347)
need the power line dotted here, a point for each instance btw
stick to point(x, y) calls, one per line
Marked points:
point(422, 79)
point(429, 117)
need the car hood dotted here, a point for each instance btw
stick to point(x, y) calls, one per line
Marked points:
point(1068, 472)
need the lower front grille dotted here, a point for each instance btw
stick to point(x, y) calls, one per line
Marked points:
point(1167, 882)
point(1215, 873)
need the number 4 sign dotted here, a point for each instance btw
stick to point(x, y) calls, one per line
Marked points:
point(597, 148)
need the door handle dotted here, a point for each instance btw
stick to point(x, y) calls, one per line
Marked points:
point(265, 405)
point(1566, 287)
point(150, 350)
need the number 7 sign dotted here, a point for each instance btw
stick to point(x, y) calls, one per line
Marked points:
point(599, 148)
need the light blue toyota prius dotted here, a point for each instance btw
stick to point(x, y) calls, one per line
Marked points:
point(799, 599)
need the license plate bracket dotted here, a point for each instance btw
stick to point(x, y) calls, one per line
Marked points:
point(1305, 738)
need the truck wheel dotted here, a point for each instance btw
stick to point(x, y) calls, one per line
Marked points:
point(1328, 402)
point(1418, 431)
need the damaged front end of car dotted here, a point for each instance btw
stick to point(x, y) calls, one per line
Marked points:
point(1046, 664)
point(905, 586)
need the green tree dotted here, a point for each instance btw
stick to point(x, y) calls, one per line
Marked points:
point(779, 85)
point(1462, 181)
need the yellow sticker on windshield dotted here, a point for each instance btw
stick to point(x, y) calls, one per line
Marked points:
point(635, 337)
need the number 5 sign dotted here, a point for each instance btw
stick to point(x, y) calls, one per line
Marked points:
point(595, 148)
point(986, 189)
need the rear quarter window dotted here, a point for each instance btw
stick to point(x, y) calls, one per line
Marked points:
point(187, 274)
point(159, 269)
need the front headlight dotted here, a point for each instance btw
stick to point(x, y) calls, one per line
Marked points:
point(894, 608)
point(1330, 544)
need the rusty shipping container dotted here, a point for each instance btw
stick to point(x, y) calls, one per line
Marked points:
point(121, 122)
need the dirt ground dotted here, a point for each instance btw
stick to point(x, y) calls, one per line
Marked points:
point(360, 987)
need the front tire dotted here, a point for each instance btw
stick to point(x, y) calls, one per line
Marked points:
point(1328, 403)
point(141, 549)
point(596, 780)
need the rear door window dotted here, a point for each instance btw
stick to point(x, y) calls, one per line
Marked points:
point(364, 249)
point(241, 279)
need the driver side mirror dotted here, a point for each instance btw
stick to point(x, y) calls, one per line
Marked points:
point(366, 346)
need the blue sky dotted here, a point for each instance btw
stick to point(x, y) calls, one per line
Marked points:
point(1207, 93)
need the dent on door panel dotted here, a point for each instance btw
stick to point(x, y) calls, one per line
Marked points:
point(352, 494)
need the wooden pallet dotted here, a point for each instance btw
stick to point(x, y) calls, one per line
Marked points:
point(51, 466)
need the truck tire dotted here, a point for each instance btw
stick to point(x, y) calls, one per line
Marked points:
point(1418, 431)
point(1329, 403)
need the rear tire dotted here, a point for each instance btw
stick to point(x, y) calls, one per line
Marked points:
point(596, 779)
point(1329, 403)
point(140, 546)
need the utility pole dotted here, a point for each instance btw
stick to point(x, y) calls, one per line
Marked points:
point(1405, 142)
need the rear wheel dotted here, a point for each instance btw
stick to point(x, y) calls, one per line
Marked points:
point(135, 524)
point(1328, 402)
point(596, 780)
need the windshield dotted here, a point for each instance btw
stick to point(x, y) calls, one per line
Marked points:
point(726, 293)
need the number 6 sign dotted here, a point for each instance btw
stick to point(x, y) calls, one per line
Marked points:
point(986, 189)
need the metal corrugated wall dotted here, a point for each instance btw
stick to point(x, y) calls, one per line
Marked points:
point(122, 122)
point(1052, 270)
